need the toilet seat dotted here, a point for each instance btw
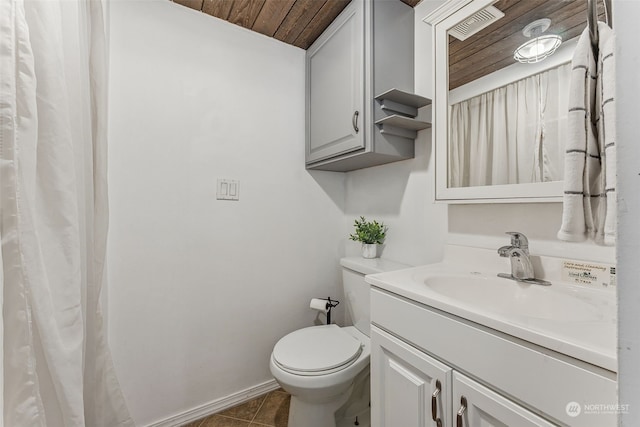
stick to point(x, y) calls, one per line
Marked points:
point(317, 350)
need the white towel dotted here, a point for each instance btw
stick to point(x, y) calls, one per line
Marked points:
point(589, 173)
point(607, 131)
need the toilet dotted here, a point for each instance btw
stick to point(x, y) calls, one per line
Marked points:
point(326, 368)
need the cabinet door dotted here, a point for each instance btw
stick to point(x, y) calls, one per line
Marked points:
point(335, 87)
point(403, 382)
point(486, 408)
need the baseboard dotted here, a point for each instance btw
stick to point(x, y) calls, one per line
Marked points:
point(217, 405)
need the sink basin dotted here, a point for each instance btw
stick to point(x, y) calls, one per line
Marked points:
point(570, 317)
point(511, 298)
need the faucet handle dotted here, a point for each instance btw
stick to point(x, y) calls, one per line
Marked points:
point(518, 240)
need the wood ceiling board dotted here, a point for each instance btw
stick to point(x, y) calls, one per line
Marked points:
point(245, 12)
point(495, 59)
point(325, 16)
point(191, 4)
point(517, 17)
point(296, 22)
point(568, 17)
point(495, 50)
point(499, 29)
point(297, 19)
point(218, 8)
point(271, 16)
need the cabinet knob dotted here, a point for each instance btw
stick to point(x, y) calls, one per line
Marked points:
point(461, 411)
point(355, 121)
point(434, 401)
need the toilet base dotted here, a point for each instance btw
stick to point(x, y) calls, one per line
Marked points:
point(364, 420)
point(305, 414)
point(341, 411)
point(358, 408)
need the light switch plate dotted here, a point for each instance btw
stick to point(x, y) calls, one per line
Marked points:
point(228, 189)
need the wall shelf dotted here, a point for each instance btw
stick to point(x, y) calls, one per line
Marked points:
point(401, 108)
point(405, 98)
point(404, 122)
point(401, 126)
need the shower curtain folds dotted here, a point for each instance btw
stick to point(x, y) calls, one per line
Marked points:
point(56, 364)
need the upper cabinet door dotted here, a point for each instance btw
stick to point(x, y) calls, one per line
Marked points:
point(335, 83)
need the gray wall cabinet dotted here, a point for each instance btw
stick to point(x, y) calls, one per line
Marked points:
point(360, 109)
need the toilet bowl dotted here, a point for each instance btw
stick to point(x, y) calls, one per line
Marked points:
point(326, 368)
point(317, 394)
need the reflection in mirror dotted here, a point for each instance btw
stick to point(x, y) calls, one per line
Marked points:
point(513, 134)
point(507, 120)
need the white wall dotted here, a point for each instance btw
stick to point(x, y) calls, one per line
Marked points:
point(626, 15)
point(194, 99)
point(200, 289)
point(401, 194)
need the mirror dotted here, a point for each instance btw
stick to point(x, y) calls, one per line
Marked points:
point(500, 125)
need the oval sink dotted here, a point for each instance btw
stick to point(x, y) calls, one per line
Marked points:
point(499, 295)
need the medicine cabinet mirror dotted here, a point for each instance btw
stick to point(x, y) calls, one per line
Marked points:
point(500, 125)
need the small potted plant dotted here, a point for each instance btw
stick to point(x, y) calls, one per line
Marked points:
point(371, 234)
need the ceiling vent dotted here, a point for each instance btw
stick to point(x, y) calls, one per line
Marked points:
point(476, 22)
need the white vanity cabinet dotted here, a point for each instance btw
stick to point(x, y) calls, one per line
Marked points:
point(412, 389)
point(408, 387)
point(360, 110)
point(504, 381)
point(476, 405)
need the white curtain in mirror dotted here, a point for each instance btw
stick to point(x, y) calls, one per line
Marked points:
point(511, 135)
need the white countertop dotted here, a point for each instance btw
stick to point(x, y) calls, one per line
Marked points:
point(585, 331)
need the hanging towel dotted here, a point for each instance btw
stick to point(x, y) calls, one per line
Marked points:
point(589, 201)
point(606, 86)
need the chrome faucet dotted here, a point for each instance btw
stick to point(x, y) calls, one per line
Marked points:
point(518, 254)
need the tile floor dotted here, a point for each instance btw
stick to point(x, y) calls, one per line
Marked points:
point(271, 410)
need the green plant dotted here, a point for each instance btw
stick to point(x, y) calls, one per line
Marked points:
point(369, 232)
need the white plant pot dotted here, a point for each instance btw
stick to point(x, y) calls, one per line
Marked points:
point(369, 250)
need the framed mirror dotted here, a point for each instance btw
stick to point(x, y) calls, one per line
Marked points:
point(499, 125)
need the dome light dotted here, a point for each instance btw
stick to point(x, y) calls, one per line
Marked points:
point(539, 47)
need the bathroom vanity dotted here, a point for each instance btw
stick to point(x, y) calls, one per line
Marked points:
point(454, 345)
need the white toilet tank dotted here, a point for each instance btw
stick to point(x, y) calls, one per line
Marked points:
point(356, 290)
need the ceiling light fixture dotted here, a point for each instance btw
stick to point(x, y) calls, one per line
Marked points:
point(539, 47)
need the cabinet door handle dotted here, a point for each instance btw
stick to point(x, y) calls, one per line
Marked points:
point(355, 121)
point(461, 411)
point(434, 401)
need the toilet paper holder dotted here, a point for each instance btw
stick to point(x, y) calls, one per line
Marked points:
point(331, 303)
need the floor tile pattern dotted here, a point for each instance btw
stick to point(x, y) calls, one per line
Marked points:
point(269, 410)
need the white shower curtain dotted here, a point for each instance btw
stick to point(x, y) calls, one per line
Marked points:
point(511, 135)
point(57, 368)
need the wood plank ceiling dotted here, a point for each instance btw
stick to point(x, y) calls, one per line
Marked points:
point(300, 23)
point(492, 48)
point(296, 22)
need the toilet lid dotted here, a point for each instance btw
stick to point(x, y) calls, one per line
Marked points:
point(317, 349)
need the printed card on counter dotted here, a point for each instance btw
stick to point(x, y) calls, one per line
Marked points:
point(588, 273)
